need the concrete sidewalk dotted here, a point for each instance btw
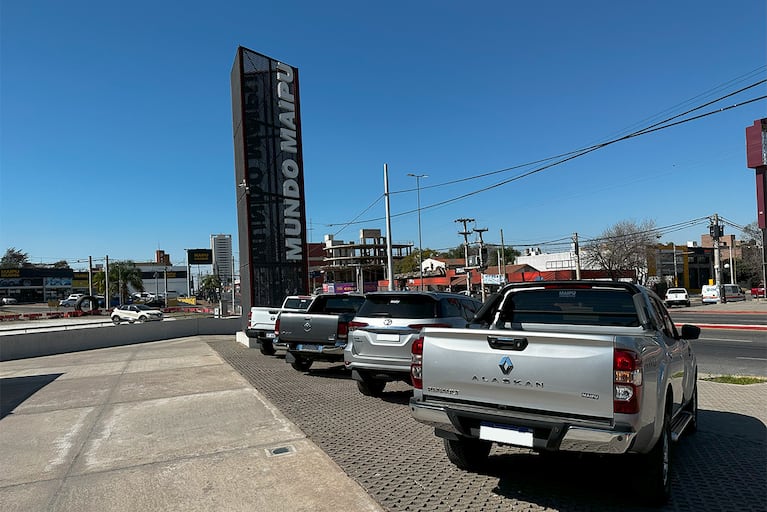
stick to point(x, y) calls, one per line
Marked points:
point(157, 426)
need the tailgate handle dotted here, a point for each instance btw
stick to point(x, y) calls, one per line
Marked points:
point(501, 342)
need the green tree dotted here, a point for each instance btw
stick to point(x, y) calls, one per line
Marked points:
point(454, 253)
point(509, 255)
point(622, 248)
point(209, 286)
point(749, 266)
point(13, 258)
point(410, 262)
point(122, 274)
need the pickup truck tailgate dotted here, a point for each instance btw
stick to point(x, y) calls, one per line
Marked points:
point(307, 327)
point(569, 374)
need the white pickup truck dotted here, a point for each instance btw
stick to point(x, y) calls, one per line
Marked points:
point(583, 366)
point(261, 320)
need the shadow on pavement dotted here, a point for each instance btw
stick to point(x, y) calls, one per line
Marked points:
point(15, 390)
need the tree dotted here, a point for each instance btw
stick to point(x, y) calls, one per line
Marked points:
point(509, 255)
point(410, 262)
point(121, 275)
point(751, 263)
point(61, 264)
point(454, 253)
point(209, 286)
point(622, 248)
point(13, 258)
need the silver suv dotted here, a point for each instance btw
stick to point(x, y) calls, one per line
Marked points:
point(382, 332)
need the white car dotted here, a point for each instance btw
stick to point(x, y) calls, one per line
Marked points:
point(135, 313)
point(677, 297)
point(9, 300)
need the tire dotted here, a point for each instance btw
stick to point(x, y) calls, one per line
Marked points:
point(301, 364)
point(467, 453)
point(692, 408)
point(266, 347)
point(656, 464)
point(141, 319)
point(116, 320)
point(90, 299)
point(371, 387)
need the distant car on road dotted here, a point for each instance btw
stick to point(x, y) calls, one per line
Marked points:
point(759, 291)
point(9, 300)
point(67, 303)
point(135, 313)
point(677, 297)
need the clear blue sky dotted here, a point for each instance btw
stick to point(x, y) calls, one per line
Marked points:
point(117, 138)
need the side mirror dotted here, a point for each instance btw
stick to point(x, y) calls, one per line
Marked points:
point(690, 332)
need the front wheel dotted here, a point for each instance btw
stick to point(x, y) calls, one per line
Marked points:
point(467, 453)
point(141, 319)
point(301, 364)
point(116, 320)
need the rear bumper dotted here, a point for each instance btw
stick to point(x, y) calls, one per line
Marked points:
point(317, 351)
point(549, 435)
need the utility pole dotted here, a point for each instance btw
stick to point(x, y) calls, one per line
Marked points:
point(466, 234)
point(715, 229)
point(577, 251)
point(502, 260)
point(481, 261)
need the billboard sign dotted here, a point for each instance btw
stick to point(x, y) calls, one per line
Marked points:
point(269, 175)
point(199, 256)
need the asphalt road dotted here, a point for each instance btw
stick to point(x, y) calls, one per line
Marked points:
point(732, 352)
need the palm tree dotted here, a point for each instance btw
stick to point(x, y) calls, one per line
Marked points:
point(209, 285)
point(121, 274)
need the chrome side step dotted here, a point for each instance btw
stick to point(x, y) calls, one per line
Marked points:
point(680, 423)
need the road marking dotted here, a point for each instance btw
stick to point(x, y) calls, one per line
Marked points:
point(753, 358)
point(725, 339)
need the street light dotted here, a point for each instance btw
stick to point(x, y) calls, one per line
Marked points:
point(420, 244)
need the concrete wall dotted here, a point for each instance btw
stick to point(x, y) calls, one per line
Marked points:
point(20, 346)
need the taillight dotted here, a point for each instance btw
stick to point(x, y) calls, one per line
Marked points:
point(627, 370)
point(277, 327)
point(356, 325)
point(343, 330)
point(416, 369)
point(418, 327)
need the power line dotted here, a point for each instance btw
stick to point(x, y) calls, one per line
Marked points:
point(565, 157)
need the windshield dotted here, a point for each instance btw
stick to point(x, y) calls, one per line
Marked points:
point(399, 306)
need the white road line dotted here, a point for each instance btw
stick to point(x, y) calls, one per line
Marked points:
point(725, 339)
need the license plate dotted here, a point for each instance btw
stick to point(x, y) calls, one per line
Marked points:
point(518, 436)
point(270, 335)
point(392, 338)
point(310, 348)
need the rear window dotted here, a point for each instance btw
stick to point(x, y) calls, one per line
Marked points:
point(399, 306)
point(570, 306)
point(338, 303)
point(298, 303)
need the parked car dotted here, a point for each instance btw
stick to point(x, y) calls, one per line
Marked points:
point(711, 294)
point(71, 300)
point(677, 297)
point(759, 291)
point(135, 313)
point(9, 300)
point(382, 332)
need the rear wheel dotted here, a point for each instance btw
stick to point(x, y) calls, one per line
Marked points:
point(657, 467)
point(116, 320)
point(369, 386)
point(301, 364)
point(467, 453)
point(692, 408)
point(266, 347)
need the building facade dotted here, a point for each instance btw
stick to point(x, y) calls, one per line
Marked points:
point(223, 262)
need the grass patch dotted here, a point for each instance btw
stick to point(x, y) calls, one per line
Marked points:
point(730, 379)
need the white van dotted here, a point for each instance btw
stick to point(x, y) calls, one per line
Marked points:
point(732, 293)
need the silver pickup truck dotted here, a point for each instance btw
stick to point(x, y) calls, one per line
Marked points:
point(261, 320)
point(580, 366)
point(320, 332)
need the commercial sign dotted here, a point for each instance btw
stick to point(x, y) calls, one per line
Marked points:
point(199, 256)
point(269, 176)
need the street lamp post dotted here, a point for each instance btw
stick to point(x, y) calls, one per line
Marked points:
point(420, 243)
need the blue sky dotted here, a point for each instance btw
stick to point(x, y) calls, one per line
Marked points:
point(116, 134)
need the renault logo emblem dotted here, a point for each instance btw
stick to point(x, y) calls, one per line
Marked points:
point(506, 365)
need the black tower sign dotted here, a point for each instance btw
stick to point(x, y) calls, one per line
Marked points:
point(270, 181)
